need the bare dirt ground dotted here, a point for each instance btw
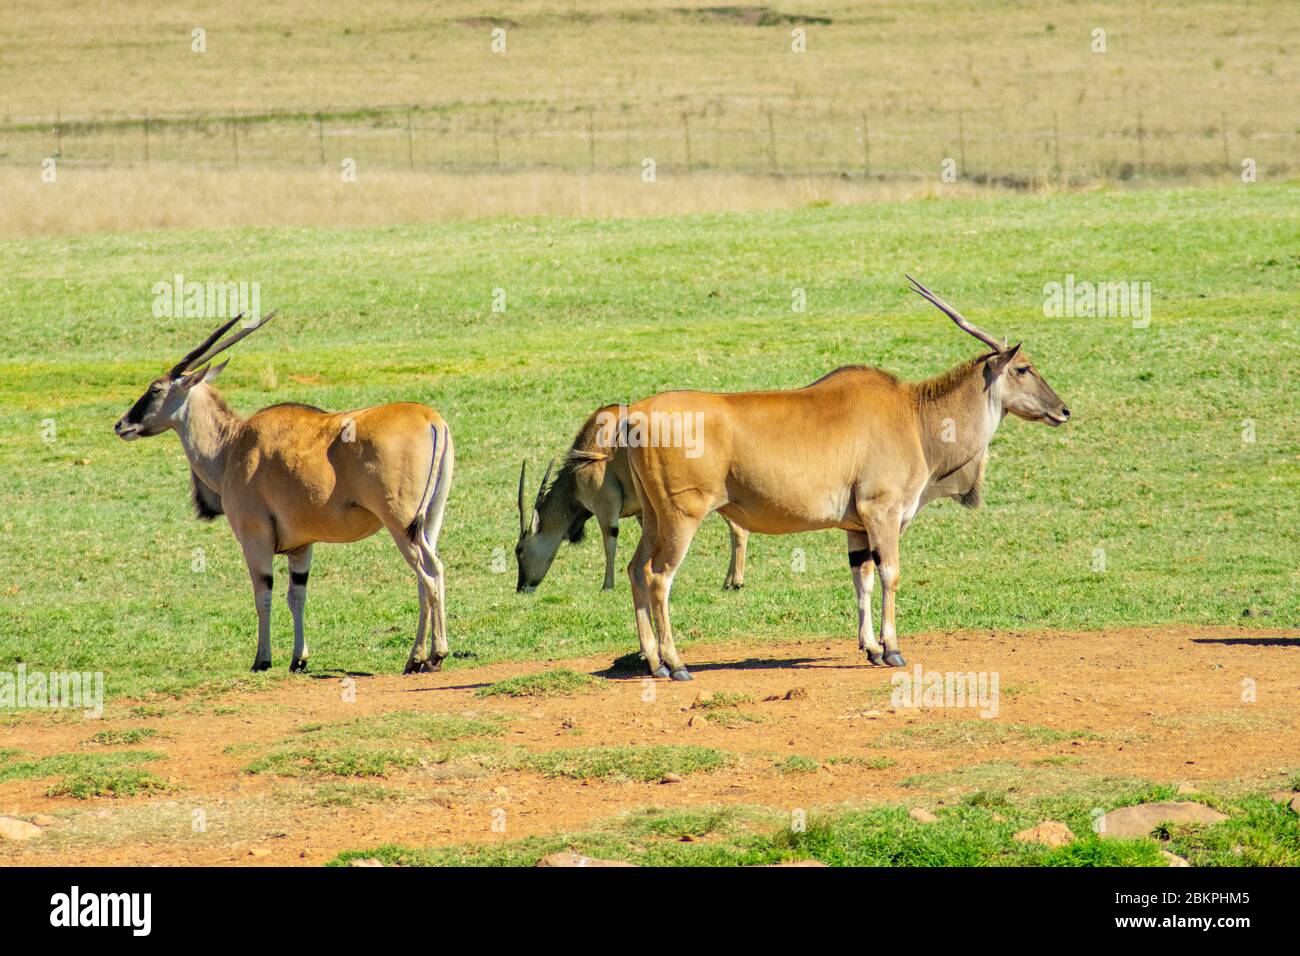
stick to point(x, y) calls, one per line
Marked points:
point(1162, 704)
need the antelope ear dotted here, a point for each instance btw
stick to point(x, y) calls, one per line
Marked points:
point(206, 374)
point(998, 363)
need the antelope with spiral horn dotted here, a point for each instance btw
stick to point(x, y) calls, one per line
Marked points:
point(291, 475)
point(857, 450)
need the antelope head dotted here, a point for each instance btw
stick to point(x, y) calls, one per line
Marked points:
point(537, 543)
point(1009, 376)
point(164, 401)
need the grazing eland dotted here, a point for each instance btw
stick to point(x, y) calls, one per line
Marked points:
point(595, 479)
point(292, 475)
point(857, 450)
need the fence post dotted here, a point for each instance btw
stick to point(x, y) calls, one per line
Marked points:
point(686, 132)
point(771, 139)
point(866, 146)
point(1056, 145)
point(1142, 153)
point(961, 141)
point(1223, 129)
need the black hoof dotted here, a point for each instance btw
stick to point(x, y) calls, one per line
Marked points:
point(732, 586)
point(682, 674)
point(298, 666)
point(261, 666)
point(876, 658)
point(661, 672)
point(895, 659)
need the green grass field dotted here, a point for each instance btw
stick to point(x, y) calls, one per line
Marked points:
point(1197, 523)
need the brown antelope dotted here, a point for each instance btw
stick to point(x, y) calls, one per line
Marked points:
point(595, 479)
point(292, 475)
point(857, 450)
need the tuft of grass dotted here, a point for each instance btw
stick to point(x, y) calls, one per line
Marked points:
point(556, 683)
point(986, 798)
point(377, 745)
point(114, 738)
point(720, 699)
point(870, 763)
point(120, 782)
point(797, 763)
point(73, 764)
point(407, 725)
point(628, 763)
point(344, 794)
point(734, 718)
point(343, 761)
point(678, 824)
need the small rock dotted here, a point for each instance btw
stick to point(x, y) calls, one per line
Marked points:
point(1295, 804)
point(366, 861)
point(1049, 833)
point(569, 859)
point(44, 820)
point(259, 852)
point(922, 815)
point(671, 777)
point(797, 693)
point(871, 714)
point(1126, 823)
point(1186, 788)
point(698, 720)
point(17, 830)
point(1173, 859)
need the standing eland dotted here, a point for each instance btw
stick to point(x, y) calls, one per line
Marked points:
point(292, 475)
point(858, 450)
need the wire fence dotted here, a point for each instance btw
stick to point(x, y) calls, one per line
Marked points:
point(984, 144)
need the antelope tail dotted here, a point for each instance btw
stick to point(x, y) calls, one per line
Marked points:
point(416, 528)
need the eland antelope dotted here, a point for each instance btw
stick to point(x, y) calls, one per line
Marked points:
point(858, 450)
point(594, 479)
point(292, 475)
